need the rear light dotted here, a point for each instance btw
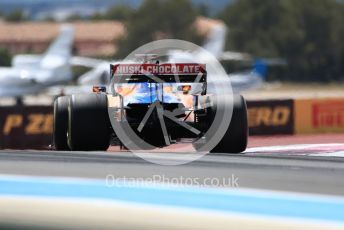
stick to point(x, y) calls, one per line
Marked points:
point(184, 88)
point(99, 89)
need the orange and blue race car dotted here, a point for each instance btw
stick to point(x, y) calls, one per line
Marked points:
point(151, 105)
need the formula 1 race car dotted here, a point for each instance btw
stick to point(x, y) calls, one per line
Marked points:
point(154, 105)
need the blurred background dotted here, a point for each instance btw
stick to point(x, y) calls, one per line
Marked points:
point(295, 46)
point(307, 34)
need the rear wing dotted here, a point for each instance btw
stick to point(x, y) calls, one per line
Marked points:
point(159, 73)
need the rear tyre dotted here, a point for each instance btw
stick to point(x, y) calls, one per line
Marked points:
point(236, 137)
point(89, 124)
point(60, 126)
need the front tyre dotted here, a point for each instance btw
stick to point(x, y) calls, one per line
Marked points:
point(89, 123)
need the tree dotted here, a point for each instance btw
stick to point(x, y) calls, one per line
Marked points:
point(203, 10)
point(307, 33)
point(5, 57)
point(158, 19)
point(16, 16)
point(117, 12)
point(74, 17)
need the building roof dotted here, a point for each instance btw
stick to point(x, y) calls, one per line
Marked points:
point(102, 33)
point(43, 31)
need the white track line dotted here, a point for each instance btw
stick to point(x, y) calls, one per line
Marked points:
point(319, 149)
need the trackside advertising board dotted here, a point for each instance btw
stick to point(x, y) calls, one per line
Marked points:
point(270, 117)
point(319, 116)
point(26, 127)
point(31, 127)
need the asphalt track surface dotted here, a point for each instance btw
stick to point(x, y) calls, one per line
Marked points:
point(297, 173)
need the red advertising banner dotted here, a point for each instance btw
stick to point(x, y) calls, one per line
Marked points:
point(319, 116)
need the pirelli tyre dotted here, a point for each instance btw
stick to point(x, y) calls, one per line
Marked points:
point(235, 138)
point(89, 124)
point(60, 126)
